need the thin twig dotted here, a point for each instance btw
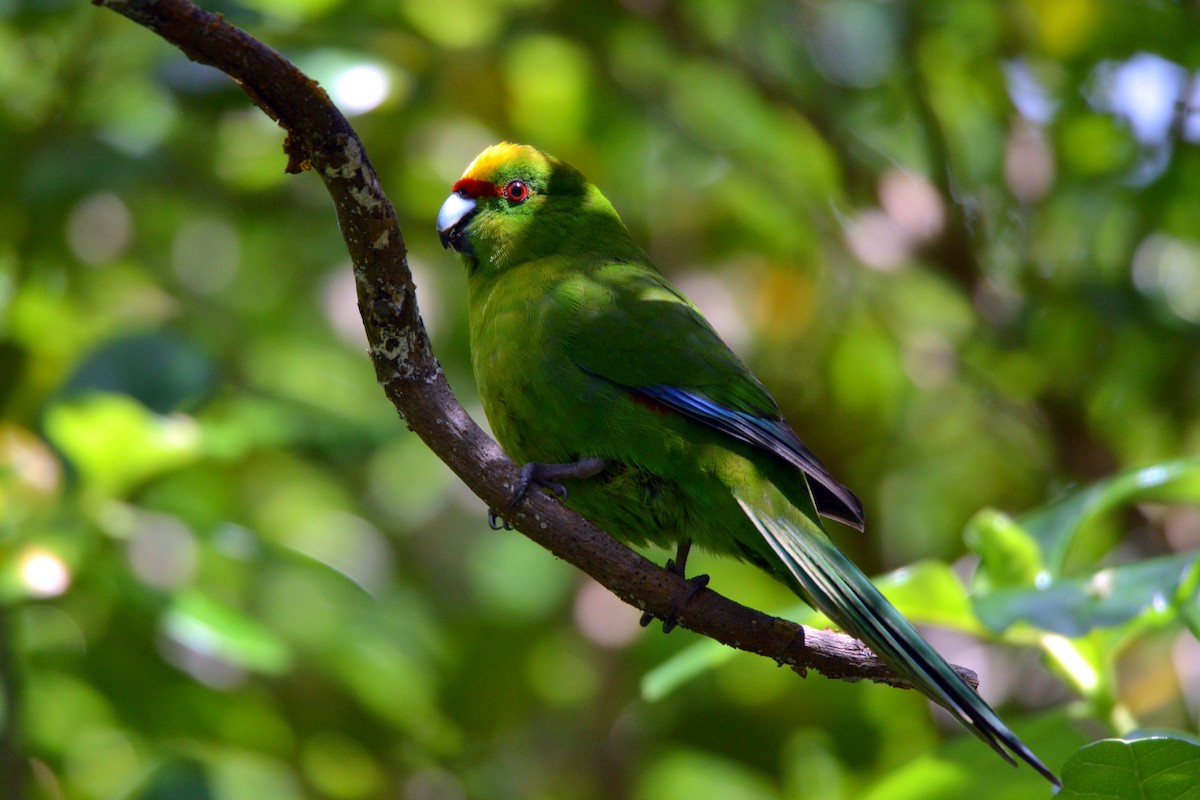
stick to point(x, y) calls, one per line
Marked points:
point(320, 138)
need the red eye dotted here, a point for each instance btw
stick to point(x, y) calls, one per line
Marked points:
point(516, 191)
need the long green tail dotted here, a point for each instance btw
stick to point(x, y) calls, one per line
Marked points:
point(843, 593)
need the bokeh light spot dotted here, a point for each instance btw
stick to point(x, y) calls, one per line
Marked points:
point(1168, 269)
point(1143, 91)
point(604, 619)
point(360, 88)
point(913, 203)
point(1028, 93)
point(43, 573)
point(205, 254)
point(1028, 163)
point(162, 551)
point(99, 228)
point(878, 241)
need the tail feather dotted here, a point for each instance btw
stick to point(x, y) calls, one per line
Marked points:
point(837, 588)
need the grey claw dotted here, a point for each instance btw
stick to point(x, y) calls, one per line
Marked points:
point(535, 474)
point(695, 584)
point(528, 476)
point(498, 523)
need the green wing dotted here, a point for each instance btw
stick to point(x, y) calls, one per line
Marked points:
point(636, 330)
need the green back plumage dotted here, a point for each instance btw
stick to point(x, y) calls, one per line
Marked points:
point(582, 349)
point(681, 352)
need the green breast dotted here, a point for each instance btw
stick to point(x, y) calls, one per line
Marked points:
point(529, 388)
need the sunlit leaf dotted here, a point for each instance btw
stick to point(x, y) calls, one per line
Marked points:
point(241, 775)
point(812, 770)
point(1188, 597)
point(460, 23)
point(1008, 554)
point(929, 592)
point(1109, 597)
point(1056, 526)
point(115, 442)
point(294, 10)
point(396, 687)
point(213, 629)
point(682, 667)
point(495, 559)
point(548, 79)
point(340, 767)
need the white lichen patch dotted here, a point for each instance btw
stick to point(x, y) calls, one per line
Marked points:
point(353, 163)
point(396, 348)
point(367, 198)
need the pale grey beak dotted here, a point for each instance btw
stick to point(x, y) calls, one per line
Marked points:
point(452, 222)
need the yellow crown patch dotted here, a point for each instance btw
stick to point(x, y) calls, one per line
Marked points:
point(491, 159)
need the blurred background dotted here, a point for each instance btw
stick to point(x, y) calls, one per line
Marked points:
point(958, 239)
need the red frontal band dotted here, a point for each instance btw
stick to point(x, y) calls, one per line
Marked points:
point(473, 187)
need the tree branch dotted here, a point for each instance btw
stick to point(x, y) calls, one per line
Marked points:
point(320, 138)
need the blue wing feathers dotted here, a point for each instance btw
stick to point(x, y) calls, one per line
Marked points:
point(774, 434)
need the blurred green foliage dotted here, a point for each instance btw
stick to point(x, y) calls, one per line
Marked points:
point(960, 241)
point(1156, 768)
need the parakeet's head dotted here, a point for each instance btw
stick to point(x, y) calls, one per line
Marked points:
point(515, 203)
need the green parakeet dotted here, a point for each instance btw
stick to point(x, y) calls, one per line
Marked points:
point(606, 382)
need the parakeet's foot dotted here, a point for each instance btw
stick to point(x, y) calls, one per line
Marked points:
point(547, 476)
point(497, 522)
point(695, 584)
point(677, 566)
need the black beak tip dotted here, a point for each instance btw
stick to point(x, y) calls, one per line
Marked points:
point(455, 238)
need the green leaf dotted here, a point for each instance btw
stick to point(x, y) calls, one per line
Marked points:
point(689, 663)
point(182, 778)
point(1157, 768)
point(115, 442)
point(811, 769)
point(1013, 587)
point(1188, 597)
point(1058, 526)
point(162, 371)
point(684, 774)
point(220, 631)
point(1008, 554)
point(705, 655)
point(929, 592)
point(1106, 598)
